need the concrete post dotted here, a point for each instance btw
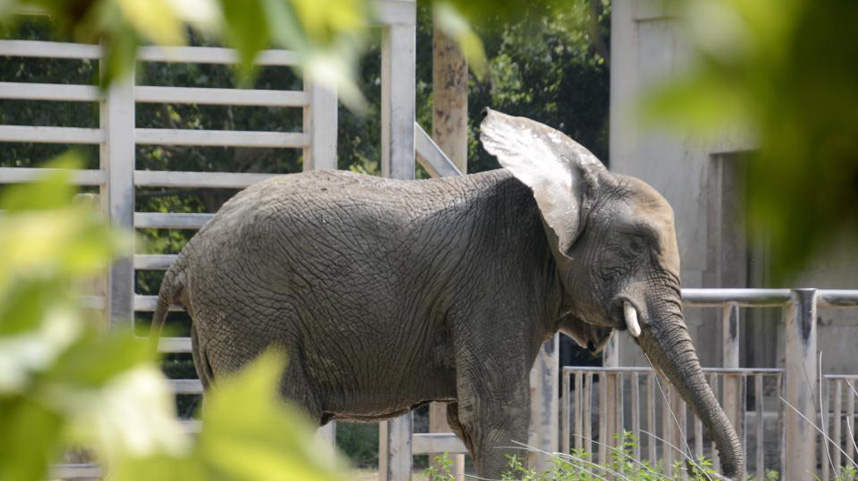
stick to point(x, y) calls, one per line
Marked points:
point(394, 451)
point(801, 380)
point(117, 196)
point(544, 405)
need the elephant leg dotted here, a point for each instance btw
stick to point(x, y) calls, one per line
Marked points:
point(457, 428)
point(297, 387)
point(492, 422)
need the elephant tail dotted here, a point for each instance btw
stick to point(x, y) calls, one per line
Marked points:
point(171, 289)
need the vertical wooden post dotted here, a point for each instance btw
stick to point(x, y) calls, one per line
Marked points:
point(544, 405)
point(734, 405)
point(398, 100)
point(450, 132)
point(450, 93)
point(610, 358)
point(398, 87)
point(117, 159)
point(320, 127)
point(395, 459)
point(801, 380)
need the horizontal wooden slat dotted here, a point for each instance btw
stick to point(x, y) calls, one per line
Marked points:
point(396, 12)
point(437, 443)
point(148, 304)
point(192, 426)
point(50, 135)
point(186, 386)
point(174, 344)
point(212, 96)
point(39, 91)
point(75, 471)
point(213, 55)
point(213, 180)
point(32, 48)
point(158, 220)
point(154, 262)
point(220, 138)
point(92, 302)
point(13, 175)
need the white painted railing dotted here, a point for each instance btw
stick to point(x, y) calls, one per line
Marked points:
point(786, 401)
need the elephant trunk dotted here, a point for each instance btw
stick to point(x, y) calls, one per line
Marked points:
point(666, 341)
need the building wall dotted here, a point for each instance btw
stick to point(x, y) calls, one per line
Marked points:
point(697, 177)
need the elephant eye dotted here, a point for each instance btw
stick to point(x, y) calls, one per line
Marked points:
point(636, 245)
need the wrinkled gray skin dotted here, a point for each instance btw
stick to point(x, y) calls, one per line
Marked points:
point(390, 294)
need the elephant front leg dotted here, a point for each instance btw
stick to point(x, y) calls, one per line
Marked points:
point(493, 424)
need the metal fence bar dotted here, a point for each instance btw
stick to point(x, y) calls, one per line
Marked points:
point(650, 418)
point(565, 414)
point(588, 415)
point(666, 426)
point(801, 377)
point(636, 416)
point(850, 420)
point(579, 399)
point(758, 410)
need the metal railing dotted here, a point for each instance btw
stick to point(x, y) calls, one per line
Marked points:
point(775, 411)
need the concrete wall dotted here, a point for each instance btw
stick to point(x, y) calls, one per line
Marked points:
point(697, 176)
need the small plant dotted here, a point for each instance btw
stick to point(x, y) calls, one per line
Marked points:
point(441, 470)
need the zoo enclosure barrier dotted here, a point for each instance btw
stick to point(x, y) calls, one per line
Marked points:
point(787, 418)
point(402, 140)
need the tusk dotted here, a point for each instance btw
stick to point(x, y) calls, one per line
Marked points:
point(631, 319)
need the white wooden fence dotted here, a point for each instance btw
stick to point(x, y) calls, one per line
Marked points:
point(601, 403)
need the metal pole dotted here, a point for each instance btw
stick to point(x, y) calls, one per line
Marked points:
point(801, 380)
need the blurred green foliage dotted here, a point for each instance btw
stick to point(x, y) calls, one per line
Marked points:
point(784, 73)
point(65, 383)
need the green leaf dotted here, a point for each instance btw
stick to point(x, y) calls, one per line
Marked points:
point(154, 19)
point(249, 434)
point(29, 434)
point(247, 31)
point(98, 357)
point(52, 191)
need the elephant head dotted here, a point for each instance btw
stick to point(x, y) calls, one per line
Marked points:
point(614, 243)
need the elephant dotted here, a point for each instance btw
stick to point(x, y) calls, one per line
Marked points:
point(388, 294)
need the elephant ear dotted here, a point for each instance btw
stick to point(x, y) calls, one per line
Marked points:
point(561, 173)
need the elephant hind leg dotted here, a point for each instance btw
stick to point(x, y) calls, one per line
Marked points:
point(298, 388)
point(201, 361)
point(457, 428)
